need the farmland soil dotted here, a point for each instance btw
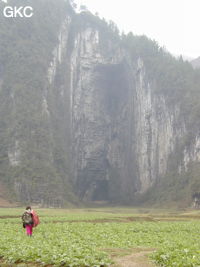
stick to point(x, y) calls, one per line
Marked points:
point(137, 258)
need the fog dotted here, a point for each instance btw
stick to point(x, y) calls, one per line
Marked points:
point(174, 24)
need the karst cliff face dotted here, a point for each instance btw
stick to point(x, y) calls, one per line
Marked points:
point(94, 127)
point(100, 97)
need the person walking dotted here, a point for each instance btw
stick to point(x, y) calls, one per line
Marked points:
point(28, 222)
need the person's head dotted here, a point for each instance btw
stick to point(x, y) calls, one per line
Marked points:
point(28, 208)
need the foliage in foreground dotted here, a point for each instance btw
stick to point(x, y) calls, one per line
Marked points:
point(82, 244)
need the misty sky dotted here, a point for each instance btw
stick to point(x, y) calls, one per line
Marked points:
point(172, 23)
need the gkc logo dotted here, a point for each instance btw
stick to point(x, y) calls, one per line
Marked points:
point(14, 12)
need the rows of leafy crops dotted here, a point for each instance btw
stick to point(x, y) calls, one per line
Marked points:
point(82, 244)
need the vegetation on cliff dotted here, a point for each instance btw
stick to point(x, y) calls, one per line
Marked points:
point(34, 151)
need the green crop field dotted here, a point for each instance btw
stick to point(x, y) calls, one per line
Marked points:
point(87, 237)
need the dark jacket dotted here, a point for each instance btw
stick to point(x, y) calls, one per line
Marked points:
point(27, 219)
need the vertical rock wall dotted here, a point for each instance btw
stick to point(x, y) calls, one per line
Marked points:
point(101, 119)
point(99, 129)
point(158, 127)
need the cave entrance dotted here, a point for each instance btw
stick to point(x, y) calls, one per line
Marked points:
point(101, 191)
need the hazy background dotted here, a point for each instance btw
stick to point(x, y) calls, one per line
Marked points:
point(173, 23)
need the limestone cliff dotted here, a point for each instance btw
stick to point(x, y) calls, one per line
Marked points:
point(99, 120)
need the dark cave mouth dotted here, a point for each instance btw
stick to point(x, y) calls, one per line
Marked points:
point(101, 191)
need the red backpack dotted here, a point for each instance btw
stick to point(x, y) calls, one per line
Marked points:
point(36, 219)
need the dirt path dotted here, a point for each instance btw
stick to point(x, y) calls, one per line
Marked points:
point(137, 258)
